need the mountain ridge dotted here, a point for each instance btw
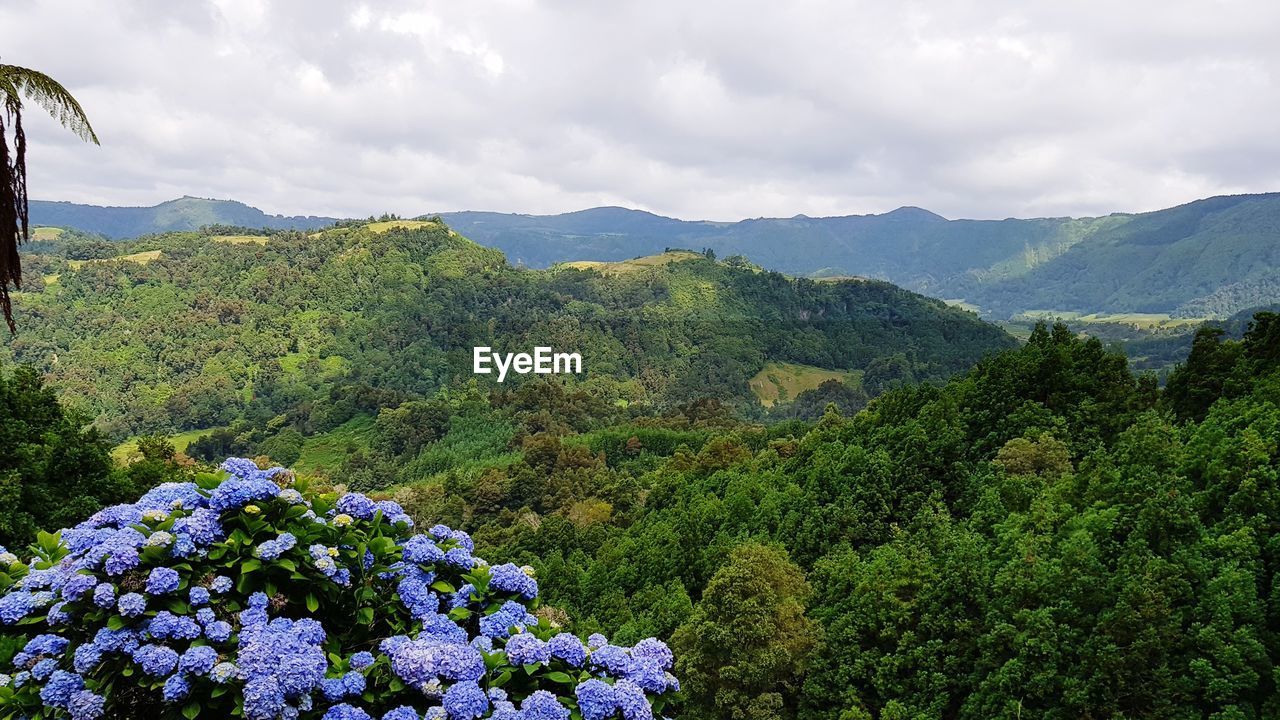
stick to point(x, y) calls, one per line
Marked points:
point(1210, 257)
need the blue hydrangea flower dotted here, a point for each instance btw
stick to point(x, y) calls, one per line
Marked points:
point(198, 596)
point(224, 672)
point(525, 649)
point(15, 606)
point(511, 578)
point(167, 626)
point(460, 558)
point(218, 631)
point(104, 596)
point(427, 658)
point(86, 659)
point(357, 506)
point(162, 581)
point(361, 660)
point(43, 669)
point(542, 705)
point(221, 585)
point(61, 687)
point(123, 640)
point(77, 585)
point(614, 660)
point(86, 705)
point(131, 605)
point(464, 701)
point(404, 712)
point(156, 660)
point(176, 688)
point(632, 701)
point(596, 700)
point(346, 712)
point(198, 660)
point(420, 549)
point(46, 644)
point(654, 650)
point(263, 698)
point(567, 647)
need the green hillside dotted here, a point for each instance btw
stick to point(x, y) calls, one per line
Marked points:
point(1210, 258)
point(299, 333)
point(186, 213)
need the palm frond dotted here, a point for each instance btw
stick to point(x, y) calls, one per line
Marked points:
point(48, 94)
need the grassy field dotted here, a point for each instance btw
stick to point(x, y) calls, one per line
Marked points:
point(241, 239)
point(627, 267)
point(323, 454)
point(142, 258)
point(127, 450)
point(46, 233)
point(781, 382)
point(385, 225)
point(1142, 321)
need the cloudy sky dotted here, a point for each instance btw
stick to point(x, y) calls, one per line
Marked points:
point(716, 109)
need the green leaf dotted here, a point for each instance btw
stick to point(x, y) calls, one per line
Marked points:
point(560, 677)
point(442, 586)
point(191, 710)
point(313, 604)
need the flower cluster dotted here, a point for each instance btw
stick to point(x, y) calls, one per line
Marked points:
point(238, 595)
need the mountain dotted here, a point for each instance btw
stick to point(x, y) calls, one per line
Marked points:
point(185, 213)
point(1210, 258)
point(189, 331)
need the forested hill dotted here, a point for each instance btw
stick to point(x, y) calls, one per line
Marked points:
point(1206, 259)
point(1209, 258)
point(189, 330)
point(185, 213)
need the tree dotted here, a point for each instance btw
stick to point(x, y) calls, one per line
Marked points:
point(51, 470)
point(745, 647)
point(43, 90)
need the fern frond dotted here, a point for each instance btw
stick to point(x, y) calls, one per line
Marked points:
point(48, 94)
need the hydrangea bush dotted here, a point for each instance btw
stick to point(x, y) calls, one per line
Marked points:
point(240, 596)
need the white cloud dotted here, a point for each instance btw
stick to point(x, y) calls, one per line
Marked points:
point(713, 109)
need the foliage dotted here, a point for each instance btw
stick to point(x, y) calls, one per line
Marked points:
point(1040, 537)
point(52, 470)
point(310, 331)
point(747, 642)
point(244, 597)
point(16, 83)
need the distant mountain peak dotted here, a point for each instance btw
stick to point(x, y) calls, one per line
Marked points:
point(911, 212)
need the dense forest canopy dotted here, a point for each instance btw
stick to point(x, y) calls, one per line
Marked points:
point(199, 330)
point(1046, 536)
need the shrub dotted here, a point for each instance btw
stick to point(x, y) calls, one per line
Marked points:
point(241, 596)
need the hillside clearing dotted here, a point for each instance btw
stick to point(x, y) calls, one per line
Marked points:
point(46, 233)
point(240, 239)
point(627, 267)
point(142, 258)
point(127, 451)
point(1142, 321)
point(323, 454)
point(781, 382)
point(388, 225)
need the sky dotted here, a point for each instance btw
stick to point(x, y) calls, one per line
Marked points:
point(716, 109)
